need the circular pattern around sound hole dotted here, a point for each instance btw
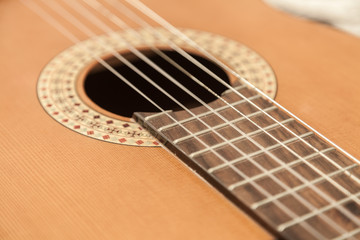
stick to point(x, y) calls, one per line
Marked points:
point(60, 97)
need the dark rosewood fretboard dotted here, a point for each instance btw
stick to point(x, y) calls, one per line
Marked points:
point(270, 165)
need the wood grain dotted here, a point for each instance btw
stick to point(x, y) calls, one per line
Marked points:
point(274, 197)
point(56, 184)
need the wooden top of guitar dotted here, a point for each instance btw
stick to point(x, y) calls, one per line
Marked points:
point(58, 184)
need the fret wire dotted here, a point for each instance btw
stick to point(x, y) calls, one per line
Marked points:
point(157, 115)
point(151, 14)
point(301, 139)
point(319, 152)
point(57, 25)
point(233, 186)
point(301, 199)
point(234, 161)
point(288, 210)
point(303, 218)
point(270, 135)
point(302, 186)
point(341, 188)
point(194, 154)
point(292, 133)
point(178, 140)
point(179, 85)
point(276, 121)
point(204, 114)
point(321, 193)
point(172, 29)
point(148, 61)
point(262, 190)
point(297, 196)
point(305, 202)
point(348, 234)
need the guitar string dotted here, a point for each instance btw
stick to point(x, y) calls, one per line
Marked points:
point(224, 161)
point(201, 66)
point(70, 36)
point(154, 16)
point(92, 18)
point(95, 3)
point(105, 11)
point(120, 23)
point(219, 96)
point(139, 19)
point(339, 167)
point(165, 24)
point(199, 48)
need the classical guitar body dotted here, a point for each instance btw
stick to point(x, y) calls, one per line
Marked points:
point(58, 184)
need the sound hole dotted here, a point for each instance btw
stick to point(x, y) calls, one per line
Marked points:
point(112, 94)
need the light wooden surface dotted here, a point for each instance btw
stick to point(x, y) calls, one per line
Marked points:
point(56, 184)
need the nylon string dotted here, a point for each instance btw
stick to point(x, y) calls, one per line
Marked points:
point(101, 25)
point(66, 14)
point(119, 23)
point(97, 6)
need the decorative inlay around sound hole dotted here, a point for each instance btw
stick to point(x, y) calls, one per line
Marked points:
point(60, 81)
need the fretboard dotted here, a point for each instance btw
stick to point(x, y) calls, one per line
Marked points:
point(288, 178)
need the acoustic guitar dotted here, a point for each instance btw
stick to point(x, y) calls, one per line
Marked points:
point(117, 125)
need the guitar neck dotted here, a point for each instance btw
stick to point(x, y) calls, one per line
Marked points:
point(265, 162)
